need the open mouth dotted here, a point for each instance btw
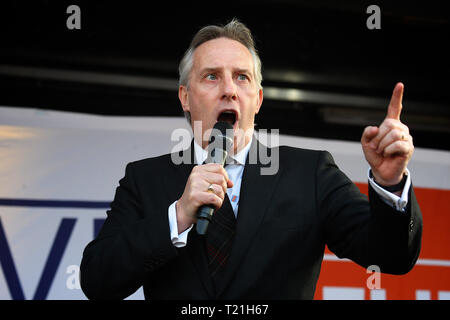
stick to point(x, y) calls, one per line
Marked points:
point(229, 116)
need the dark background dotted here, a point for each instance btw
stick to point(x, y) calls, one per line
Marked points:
point(124, 61)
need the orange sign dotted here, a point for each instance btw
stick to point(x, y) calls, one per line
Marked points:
point(429, 279)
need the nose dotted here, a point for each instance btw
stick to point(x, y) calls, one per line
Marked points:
point(229, 88)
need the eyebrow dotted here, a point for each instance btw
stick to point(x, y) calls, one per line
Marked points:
point(244, 71)
point(215, 69)
point(208, 70)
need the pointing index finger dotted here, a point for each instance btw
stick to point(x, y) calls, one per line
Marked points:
point(395, 105)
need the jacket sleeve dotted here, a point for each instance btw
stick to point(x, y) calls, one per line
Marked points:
point(367, 232)
point(129, 247)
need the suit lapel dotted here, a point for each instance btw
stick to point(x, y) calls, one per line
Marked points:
point(254, 198)
point(255, 195)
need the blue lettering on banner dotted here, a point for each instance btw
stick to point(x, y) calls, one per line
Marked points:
point(57, 250)
point(54, 258)
point(52, 264)
point(9, 269)
point(54, 203)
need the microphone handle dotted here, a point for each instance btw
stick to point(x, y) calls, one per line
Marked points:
point(204, 214)
point(204, 217)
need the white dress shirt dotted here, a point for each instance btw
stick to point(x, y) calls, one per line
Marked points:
point(235, 171)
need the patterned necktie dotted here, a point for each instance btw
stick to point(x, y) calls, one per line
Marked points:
point(219, 237)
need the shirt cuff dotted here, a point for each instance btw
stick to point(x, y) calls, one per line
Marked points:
point(399, 203)
point(178, 240)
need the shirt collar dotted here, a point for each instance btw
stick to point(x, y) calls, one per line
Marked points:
point(240, 157)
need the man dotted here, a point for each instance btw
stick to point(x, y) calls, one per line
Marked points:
point(268, 233)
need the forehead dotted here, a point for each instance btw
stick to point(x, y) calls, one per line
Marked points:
point(222, 53)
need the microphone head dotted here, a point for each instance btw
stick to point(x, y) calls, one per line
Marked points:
point(222, 136)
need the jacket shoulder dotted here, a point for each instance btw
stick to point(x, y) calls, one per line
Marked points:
point(293, 154)
point(153, 165)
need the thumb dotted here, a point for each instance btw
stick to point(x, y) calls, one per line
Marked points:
point(368, 134)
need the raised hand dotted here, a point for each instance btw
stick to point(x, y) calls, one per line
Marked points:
point(389, 147)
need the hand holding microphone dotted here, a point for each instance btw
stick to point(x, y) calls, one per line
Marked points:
point(197, 204)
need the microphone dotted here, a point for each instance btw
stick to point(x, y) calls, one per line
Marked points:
point(220, 142)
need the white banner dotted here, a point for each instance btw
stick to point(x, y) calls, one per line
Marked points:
point(59, 172)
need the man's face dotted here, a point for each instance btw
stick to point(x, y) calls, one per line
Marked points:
point(222, 87)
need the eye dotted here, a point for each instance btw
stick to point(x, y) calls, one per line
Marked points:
point(211, 76)
point(242, 77)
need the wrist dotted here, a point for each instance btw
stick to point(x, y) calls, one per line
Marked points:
point(183, 221)
point(393, 187)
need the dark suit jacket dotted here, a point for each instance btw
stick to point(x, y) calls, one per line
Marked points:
point(283, 224)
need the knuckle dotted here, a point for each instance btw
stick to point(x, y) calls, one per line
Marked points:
point(192, 197)
point(194, 185)
point(202, 199)
point(396, 134)
point(217, 200)
point(193, 176)
point(217, 178)
point(404, 127)
point(390, 123)
point(386, 122)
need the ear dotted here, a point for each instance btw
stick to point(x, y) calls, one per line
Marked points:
point(260, 100)
point(183, 97)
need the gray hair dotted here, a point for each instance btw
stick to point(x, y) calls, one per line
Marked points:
point(234, 30)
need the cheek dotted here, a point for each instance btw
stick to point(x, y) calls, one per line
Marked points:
point(201, 99)
point(247, 117)
point(250, 107)
point(202, 110)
